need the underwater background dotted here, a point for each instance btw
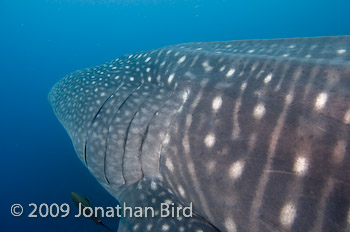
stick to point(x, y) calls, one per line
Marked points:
point(43, 40)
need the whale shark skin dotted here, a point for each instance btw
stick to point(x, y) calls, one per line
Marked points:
point(253, 134)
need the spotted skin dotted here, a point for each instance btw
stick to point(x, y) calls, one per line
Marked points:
point(255, 134)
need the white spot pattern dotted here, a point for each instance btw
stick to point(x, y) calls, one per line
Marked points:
point(268, 78)
point(206, 66)
point(341, 51)
point(181, 60)
point(320, 101)
point(216, 104)
point(259, 111)
point(209, 140)
point(236, 169)
point(288, 214)
point(171, 77)
point(230, 225)
point(300, 165)
point(230, 72)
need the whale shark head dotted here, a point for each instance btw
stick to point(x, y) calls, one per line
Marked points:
point(253, 134)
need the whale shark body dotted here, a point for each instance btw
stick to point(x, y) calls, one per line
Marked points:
point(255, 134)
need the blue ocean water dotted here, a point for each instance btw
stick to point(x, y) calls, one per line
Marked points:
point(42, 40)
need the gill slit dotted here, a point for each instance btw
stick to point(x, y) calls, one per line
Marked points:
point(127, 134)
point(170, 125)
point(109, 127)
point(92, 122)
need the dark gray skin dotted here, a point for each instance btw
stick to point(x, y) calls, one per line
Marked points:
point(255, 134)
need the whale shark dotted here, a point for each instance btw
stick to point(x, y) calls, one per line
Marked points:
point(250, 135)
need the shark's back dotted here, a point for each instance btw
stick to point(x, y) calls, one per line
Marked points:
point(254, 133)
